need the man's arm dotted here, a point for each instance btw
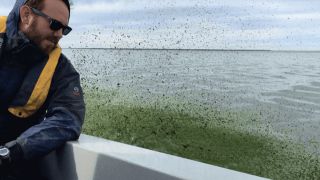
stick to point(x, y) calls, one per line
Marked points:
point(63, 120)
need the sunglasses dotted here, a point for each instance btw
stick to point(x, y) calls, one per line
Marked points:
point(55, 25)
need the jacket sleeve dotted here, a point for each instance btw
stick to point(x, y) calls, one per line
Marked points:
point(64, 117)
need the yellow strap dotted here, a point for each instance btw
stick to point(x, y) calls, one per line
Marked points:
point(3, 20)
point(41, 89)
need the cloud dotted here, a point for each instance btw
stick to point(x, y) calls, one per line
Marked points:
point(291, 24)
point(5, 9)
point(107, 6)
point(99, 7)
point(298, 16)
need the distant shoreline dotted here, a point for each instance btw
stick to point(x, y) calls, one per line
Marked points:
point(155, 49)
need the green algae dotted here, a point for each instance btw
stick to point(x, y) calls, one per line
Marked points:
point(213, 138)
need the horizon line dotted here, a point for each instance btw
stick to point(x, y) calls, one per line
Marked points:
point(195, 49)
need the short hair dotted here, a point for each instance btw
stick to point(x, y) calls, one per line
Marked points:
point(38, 4)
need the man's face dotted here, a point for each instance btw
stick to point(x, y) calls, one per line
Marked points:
point(39, 30)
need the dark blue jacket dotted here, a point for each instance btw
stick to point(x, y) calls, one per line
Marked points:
point(61, 116)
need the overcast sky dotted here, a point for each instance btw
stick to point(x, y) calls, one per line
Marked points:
point(204, 24)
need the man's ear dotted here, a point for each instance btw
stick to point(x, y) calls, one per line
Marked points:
point(25, 15)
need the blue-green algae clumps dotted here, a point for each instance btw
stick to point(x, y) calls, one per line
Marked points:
point(213, 138)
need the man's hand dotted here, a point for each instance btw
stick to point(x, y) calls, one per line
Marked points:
point(4, 161)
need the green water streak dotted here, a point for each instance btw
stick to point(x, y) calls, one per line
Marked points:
point(169, 130)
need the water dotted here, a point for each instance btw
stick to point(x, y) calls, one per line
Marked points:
point(281, 87)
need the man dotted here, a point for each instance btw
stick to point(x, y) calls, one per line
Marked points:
point(41, 101)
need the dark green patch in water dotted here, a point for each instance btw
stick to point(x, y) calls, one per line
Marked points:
point(169, 130)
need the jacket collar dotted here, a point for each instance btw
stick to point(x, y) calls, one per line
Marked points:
point(22, 49)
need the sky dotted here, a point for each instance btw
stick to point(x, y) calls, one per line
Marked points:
point(192, 24)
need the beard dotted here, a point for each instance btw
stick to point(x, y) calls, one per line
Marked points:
point(46, 43)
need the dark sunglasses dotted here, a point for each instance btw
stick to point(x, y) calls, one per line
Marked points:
point(54, 24)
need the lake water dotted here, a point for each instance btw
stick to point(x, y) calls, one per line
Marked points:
point(282, 88)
